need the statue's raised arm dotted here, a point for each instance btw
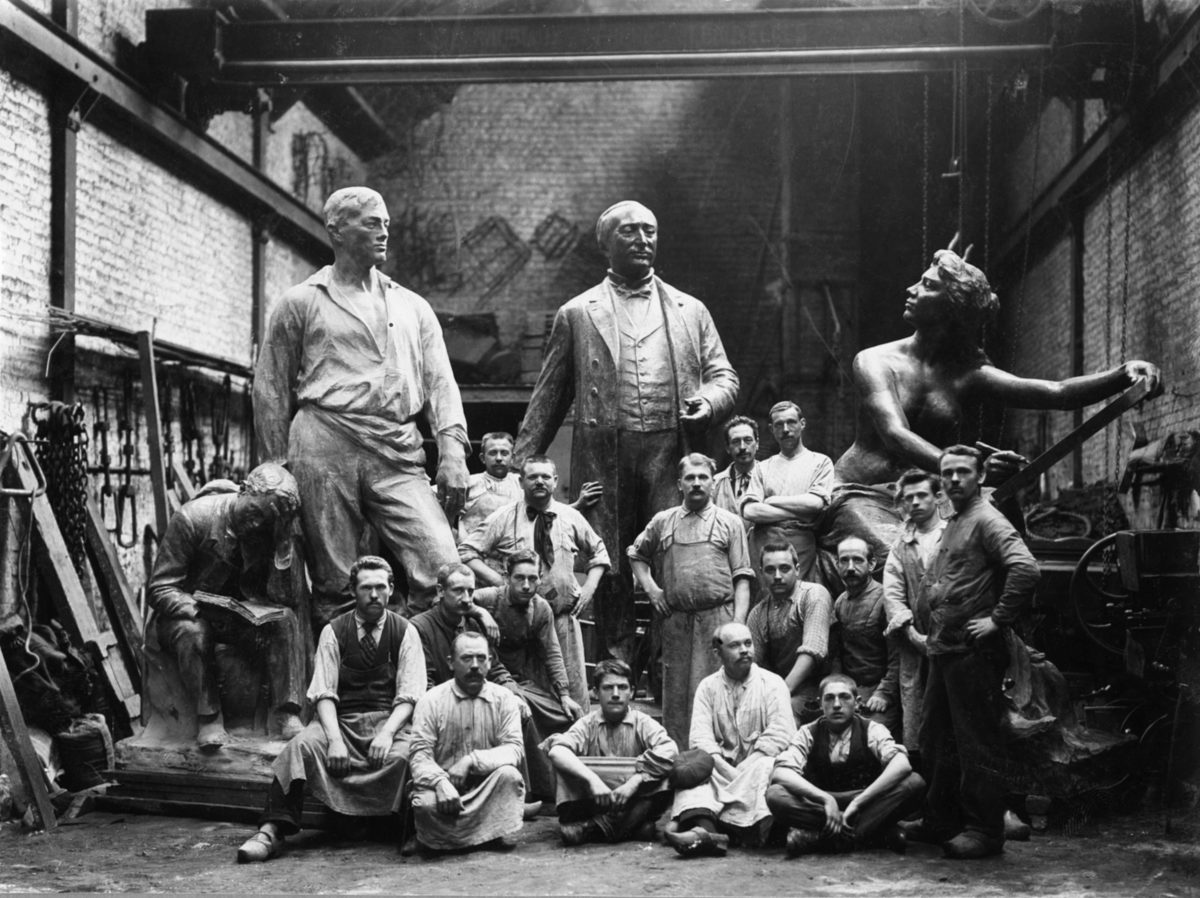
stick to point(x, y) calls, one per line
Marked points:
point(913, 390)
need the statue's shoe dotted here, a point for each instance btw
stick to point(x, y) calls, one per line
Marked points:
point(212, 736)
point(259, 847)
point(289, 724)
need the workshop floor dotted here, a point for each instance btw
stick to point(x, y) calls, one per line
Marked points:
point(1123, 856)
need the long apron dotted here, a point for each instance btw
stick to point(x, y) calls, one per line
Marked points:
point(698, 583)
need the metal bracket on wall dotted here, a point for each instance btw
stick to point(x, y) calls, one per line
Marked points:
point(79, 112)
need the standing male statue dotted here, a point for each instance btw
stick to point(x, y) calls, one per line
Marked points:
point(349, 362)
point(645, 367)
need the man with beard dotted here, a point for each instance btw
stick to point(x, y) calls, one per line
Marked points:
point(368, 672)
point(843, 782)
point(349, 363)
point(977, 583)
point(860, 648)
point(904, 596)
point(612, 766)
point(230, 544)
point(699, 554)
point(557, 534)
point(647, 373)
point(797, 483)
point(743, 719)
point(466, 757)
point(791, 627)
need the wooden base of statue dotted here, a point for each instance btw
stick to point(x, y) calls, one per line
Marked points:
point(163, 770)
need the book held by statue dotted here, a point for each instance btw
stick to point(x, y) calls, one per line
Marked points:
point(226, 609)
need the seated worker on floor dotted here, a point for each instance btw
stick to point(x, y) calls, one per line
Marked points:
point(742, 717)
point(528, 649)
point(368, 672)
point(466, 757)
point(843, 783)
point(612, 766)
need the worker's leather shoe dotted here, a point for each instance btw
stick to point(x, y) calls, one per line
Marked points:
point(802, 841)
point(919, 831)
point(698, 842)
point(969, 846)
point(895, 839)
point(581, 832)
point(259, 847)
point(532, 809)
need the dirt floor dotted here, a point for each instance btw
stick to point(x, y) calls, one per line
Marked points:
point(1121, 856)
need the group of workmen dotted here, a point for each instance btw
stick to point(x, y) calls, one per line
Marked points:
point(787, 715)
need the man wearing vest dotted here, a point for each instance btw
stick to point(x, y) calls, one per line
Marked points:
point(368, 673)
point(843, 783)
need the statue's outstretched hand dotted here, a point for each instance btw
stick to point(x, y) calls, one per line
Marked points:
point(1001, 465)
point(1148, 372)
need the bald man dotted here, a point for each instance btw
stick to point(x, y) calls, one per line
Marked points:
point(349, 363)
point(648, 374)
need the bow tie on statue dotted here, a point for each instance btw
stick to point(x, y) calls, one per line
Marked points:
point(542, 543)
point(367, 644)
point(626, 289)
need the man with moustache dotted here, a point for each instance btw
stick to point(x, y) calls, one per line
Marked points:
point(743, 719)
point(741, 482)
point(647, 373)
point(558, 535)
point(859, 647)
point(368, 673)
point(977, 583)
point(454, 612)
point(843, 782)
point(466, 757)
point(612, 766)
point(791, 627)
point(698, 552)
point(797, 483)
point(349, 362)
point(904, 597)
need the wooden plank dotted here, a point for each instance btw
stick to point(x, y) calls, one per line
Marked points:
point(29, 766)
point(121, 602)
point(154, 436)
point(1029, 475)
point(184, 487)
point(74, 612)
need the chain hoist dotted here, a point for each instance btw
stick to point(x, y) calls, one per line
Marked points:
point(126, 498)
point(62, 447)
point(168, 437)
point(100, 430)
point(189, 433)
point(221, 464)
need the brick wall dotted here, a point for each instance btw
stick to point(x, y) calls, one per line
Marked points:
point(152, 251)
point(1140, 294)
point(501, 161)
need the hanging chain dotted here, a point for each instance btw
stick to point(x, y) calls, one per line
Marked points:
point(925, 176)
point(62, 452)
point(960, 101)
point(987, 179)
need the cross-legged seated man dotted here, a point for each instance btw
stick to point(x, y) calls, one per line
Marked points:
point(368, 672)
point(466, 757)
point(612, 766)
point(844, 781)
point(742, 716)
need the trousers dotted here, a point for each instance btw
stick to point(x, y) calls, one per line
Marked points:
point(962, 743)
point(342, 487)
point(896, 803)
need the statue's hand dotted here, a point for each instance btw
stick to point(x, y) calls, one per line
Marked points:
point(699, 410)
point(589, 495)
point(1001, 465)
point(179, 607)
point(452, 478)
point(1147, 372)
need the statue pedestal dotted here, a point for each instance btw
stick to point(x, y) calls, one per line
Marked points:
point(154, 775)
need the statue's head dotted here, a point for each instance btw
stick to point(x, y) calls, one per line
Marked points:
point(357, 221)
point(627, 233)
point(966, 286)
point(265, 508)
